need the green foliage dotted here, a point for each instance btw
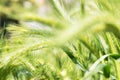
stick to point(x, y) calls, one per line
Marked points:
point(83, 42)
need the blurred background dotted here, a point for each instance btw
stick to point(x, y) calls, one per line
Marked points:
point(59, 39)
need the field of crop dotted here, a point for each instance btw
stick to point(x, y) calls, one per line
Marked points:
point(59, 39)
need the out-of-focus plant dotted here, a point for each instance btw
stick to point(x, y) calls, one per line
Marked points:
point(75, 41)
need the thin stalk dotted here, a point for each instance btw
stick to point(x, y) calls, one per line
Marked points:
point(61, 10)
point(82, 6)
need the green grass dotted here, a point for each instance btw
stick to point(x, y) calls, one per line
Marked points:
point(83, 44)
